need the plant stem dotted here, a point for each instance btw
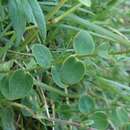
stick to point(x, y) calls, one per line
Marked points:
point(3, 33)
point(111, 53)
point(43, 99)
point(56, 9)
point(56, 20)
point(20, 53)
point(22, 107)
point(65, 122)
point(77, 124)
point(28, 28)
point(52, 89)
point(120, 52)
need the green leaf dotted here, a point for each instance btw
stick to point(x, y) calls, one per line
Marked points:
point(122, 116)
point(114, 118)
point(17, 86)
point(118, 117)
point(86, 104)
point(86, 2)
point(55, 71)
point(102, 50)
point(5, 67)
point(107, 86)
point(7, 119)
point(83, 43)
point(39, 17)
point(17, 17)
point(42, 55)
point(100, 120)
point(31, 64)
point(99, 29)
point(72, 70)
point(28, 11)
point(65, 110)
point(114, 84)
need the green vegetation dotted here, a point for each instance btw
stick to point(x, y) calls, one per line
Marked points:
point(64, 65)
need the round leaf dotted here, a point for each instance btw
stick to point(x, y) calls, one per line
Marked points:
point(86, 104)
point(17, 86)
point(72, 70)
point(42, 55)
point(56, 76)
point(100, 120)
point(83, 43)
point(118, 117)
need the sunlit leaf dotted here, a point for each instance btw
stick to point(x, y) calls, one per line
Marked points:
point(6, 66)
point(83, 43)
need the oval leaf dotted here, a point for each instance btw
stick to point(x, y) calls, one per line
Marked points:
point(28, 12)
point(17, 86)
point(83, 43)
point(100, 120)
point(17, 16)
point(7, 119)
point(42, 55)
point(55, 71)
point(119, 117)
point(39, 17)
point(72, 70)
point(86, 104)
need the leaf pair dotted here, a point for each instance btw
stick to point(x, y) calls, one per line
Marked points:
point(73, 69)
point(26, 11)
point(87, 105)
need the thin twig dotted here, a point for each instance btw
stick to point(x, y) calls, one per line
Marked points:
point(55, 90)
point(73, 123)
point(59, 18)
point(28, 28)
point(56, 9)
